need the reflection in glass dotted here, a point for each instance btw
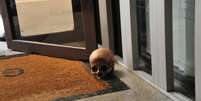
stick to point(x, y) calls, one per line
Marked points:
point(144, 35)
point(50, 21)
point(183, 46)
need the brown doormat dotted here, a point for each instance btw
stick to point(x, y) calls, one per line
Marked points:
point(41, 78)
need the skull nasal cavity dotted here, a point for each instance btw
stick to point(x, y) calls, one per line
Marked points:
point(100, 75)
point(94, 69)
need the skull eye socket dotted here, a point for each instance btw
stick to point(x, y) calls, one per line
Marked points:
point(94, 69)
point(103, 68)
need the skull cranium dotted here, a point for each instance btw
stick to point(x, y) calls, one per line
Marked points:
point(102, 62)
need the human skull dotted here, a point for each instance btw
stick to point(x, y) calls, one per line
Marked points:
point(102, 62)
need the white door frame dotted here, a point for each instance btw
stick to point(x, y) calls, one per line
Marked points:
point(106, 24)
point(161, 39)
point(128, 45)
point(197, 50)
point(161, 43)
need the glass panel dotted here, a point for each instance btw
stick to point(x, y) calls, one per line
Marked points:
point(183, 46)
point(37, 17)
point(144, 35)
point(117, 28)
point(50, 21)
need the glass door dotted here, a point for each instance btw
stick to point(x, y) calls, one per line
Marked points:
point(64, 28)
point(143, 35)
point(183, 47)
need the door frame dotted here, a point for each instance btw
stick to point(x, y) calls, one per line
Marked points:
point(197, 54)
point(161, 40)
point(161, 45)
point(87, 7)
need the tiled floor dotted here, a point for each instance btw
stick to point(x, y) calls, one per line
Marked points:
point(4, 51)
point(3, 48)
point(3, 45)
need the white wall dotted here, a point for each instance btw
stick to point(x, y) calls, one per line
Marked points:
point(183, 35)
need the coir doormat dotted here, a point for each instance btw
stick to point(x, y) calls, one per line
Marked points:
point(42, 78)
